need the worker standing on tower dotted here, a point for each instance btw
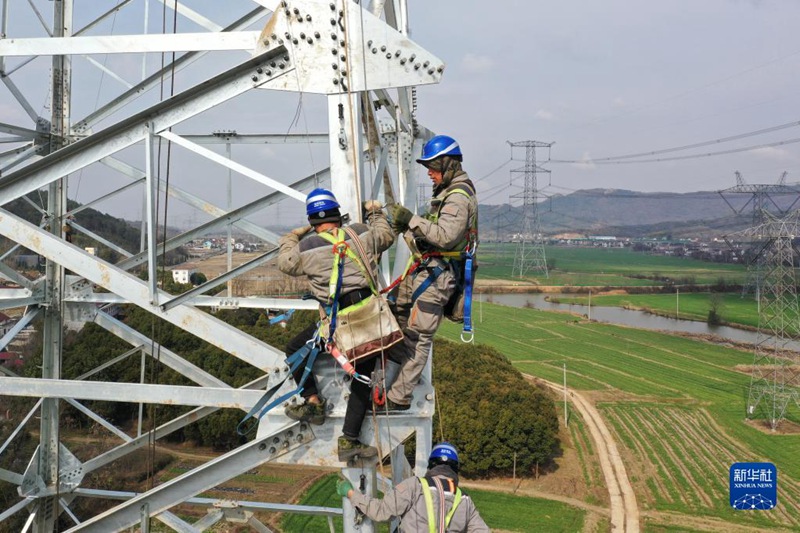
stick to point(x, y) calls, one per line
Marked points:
point(431, 503)
point(307, 251)
point(449, 228)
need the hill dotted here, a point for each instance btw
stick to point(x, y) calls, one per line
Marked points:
point(629, 213)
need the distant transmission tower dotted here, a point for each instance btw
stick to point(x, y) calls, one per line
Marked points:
point(762, 201)
point(529, 257)
point(775, 377)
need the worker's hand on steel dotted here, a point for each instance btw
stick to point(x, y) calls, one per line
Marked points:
point(371, 206)
point(400, 218)
point(301, 231)
point(343, 488)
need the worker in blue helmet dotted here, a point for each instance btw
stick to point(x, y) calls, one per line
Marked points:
point(430, 503)
point(306, 251)
point(450, 226)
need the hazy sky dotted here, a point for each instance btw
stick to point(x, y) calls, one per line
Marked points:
point(599, 79)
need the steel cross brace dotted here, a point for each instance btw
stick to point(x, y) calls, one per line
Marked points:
point(198, 480)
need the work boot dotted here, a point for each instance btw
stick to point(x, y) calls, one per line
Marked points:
point(350, 449)
point(390, 407)
point(313, 413)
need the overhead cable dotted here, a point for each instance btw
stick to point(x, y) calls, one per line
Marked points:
point(682, 157)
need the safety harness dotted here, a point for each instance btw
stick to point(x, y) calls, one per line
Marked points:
point(443, 519)
point(463, 257)
point(341, 250)
point(307, 353)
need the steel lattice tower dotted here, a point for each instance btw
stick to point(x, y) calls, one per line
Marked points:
point(255, 50)
point(761, 202)
point(775, 377)
point(529, 256)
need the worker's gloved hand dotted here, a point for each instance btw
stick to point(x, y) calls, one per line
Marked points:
point(400, 218)
point(301, 231)
point(343, 487)
point(371, 206)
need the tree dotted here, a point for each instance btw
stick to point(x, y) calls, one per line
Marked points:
point(490, 412)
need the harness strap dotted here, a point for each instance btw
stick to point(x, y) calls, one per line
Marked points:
point(434, 273)
point(444, 519)
point(308, 354)
point(466, 333)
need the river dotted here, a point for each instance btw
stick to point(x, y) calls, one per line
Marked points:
point(617, 315)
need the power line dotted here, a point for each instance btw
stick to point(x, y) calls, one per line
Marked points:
point(701, 144)
point(682, 157)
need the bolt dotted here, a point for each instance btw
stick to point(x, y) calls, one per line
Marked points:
point(344, 73)
point(254, 78)
point(289, 434)
point(425, 64)
point(294, 41)
point(274, 37)
point(296, 11)
point(288, 13)
point(272, 450)
point(333, 22)
point(273, 64)
point(310, 40)
point(341, 43)
point(343, 57)
point(369, 43)
point(259, 70)
point(269, 72)
point(389, 55)
point(374, 50)
point(383, 48)
point(431, 71)
point(262, 447)
point(397, 54)
point(335, 81)
point(299, 18)
point(302, 35)
point(416, 66)
point(333, 6)
point(334, 36)
point(440, 69)
point(413, 57)
point(287, 35)
point(300, 438)
point(316, 34)
point(402, 60)
point(308, 18)
point(334, 51)
point(286, 57)
point(281, 66)
point(275, 440)
point(334, 66)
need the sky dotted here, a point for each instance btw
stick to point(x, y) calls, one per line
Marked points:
point(597, 79)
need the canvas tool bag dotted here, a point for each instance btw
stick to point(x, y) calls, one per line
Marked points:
point(367, 327)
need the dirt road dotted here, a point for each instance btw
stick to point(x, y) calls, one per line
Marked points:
point(624, 510)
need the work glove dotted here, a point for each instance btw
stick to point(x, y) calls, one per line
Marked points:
point(343, 487)
point(301, 231)
point(371, 206)
point(400, 218)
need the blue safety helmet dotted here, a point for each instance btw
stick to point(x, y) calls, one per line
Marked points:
point(439, 146)
point(321, 206)
point(444, 453)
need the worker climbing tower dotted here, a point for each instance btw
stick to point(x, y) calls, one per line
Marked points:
point(529, 258)
point(137, 143)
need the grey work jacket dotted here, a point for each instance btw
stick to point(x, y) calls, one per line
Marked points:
point(408, 502)
point(313, 256)
point(456, 216)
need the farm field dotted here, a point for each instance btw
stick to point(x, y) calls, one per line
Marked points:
point(731, 307)
point(613, 267)
point(676, 407)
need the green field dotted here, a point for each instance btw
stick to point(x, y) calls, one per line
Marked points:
point(677, 406)
point(613, 267)
point(499, 510)
point(732, 307)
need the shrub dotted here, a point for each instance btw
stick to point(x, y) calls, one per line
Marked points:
point(490, 412)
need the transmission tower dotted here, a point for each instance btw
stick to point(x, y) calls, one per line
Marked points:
point(775, 377)
point(763, 200)
point(114, 144)
point(530, 256)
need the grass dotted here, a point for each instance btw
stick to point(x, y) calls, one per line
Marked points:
point(499, 511)
point(664, 386)
point(731, 308)
point(614, 267)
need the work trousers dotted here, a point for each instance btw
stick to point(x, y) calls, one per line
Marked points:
point(420, 322)
point(359, 400)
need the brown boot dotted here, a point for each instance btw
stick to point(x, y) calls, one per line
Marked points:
point(351, 449)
